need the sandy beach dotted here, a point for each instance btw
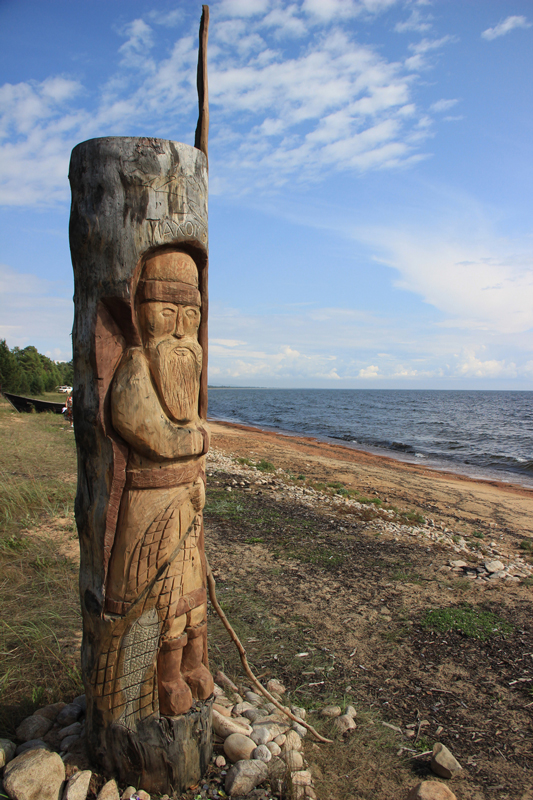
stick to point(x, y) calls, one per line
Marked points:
point(448, 498)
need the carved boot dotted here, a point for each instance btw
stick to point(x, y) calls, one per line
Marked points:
point(174, 695)
point(192, 668)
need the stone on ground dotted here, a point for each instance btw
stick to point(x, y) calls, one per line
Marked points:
point(51, 711)
point(331, 711)
point(293, 760)
point(109, 791)
point(33, 727)
point(69, 714)
point(33, 744)
point(238, 747)
point(7, 751)
point(244, 776)
point(344, 724)
point(35, 775)
point(443, 763)
point(78, 786)
point(430, 790)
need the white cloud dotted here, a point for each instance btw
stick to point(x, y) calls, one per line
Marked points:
point(327, 10)
point(443, 105)
point(415, 22)
point(369, 372)
point(243, 8)
point(505, 26)
point(471, 366)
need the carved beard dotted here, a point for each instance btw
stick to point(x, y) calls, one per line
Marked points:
point(176, 365)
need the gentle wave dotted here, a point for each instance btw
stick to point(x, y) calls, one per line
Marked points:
point(489, 431)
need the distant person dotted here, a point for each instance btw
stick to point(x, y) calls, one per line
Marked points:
point(67, 411)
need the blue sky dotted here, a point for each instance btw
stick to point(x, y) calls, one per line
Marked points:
point(370, 177)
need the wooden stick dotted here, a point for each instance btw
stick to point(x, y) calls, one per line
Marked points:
point(202, 128)
point(244, 660)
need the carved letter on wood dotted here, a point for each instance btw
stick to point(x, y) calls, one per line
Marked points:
point(138, 236)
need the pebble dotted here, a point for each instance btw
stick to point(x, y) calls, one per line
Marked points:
point(222, 680)
point(220, 762)
point(109, 791)
point(51, 711)
point(331, 711)
point(33, 744)
point(300, 730)
point(239, 708)
point(263, 753)
point(78, 785)
point(344, 724)
point(292, 741)
point(70, 730)
point(67, 743)
point(443, 763)
point(224, 710)
point(238, 747)
point(225, 726)
point(274, 748)
point(142, 795)
point(430, 790)
point(351, 712)
point(494, 566)
point(253, 714)
point(7, 751)
point(34, 727)
point(275, 687)
point(254, 698)
point(128, 792)
point(280, 740)
point(299, 712)
point(34, 775)
point(293, 759)
point(261, 735)
point(301, 778)
point(244, 776)
point(69, 714)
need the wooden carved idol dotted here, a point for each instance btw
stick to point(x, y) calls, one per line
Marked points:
point(138, 235)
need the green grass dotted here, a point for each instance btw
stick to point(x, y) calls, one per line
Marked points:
point(467, 620)
point(527, 545)
point(478, 535)
point(265, 466)
point(40, 628)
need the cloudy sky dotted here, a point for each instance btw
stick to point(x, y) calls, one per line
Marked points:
point(370, 177)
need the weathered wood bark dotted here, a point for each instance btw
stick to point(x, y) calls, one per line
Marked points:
point(138, 236)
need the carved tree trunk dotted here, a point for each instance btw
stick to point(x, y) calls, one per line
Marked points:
point(130, 197)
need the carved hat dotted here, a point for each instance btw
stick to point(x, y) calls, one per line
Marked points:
point(170, 278)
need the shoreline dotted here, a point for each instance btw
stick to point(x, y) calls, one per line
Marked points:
point(375, 456)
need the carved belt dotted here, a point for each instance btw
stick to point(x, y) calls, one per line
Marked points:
point(184, 605)
point(164, 477)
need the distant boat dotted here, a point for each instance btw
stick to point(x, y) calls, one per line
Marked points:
point(29, 404)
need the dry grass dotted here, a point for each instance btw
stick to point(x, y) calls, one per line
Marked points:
point(40, 629)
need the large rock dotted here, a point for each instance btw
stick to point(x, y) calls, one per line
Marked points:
point(443, 763)
point(33, 744)
point(292, 741)
point(225, 726)
point(244, 776)
point(69, 714)
point(51, 711)
point(430, 790)
point(238, 747)
point(34, 727)
point(35, 775)
point(78, 786)
point(109, 791)
point(7, 751)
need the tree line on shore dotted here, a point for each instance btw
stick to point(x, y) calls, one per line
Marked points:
point(26, 371)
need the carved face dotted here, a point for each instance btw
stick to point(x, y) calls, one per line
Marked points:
point(169, 318)
point(159, 320)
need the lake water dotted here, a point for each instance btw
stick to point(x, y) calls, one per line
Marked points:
point(481, 434)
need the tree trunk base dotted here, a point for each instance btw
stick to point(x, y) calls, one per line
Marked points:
point(162, 756)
